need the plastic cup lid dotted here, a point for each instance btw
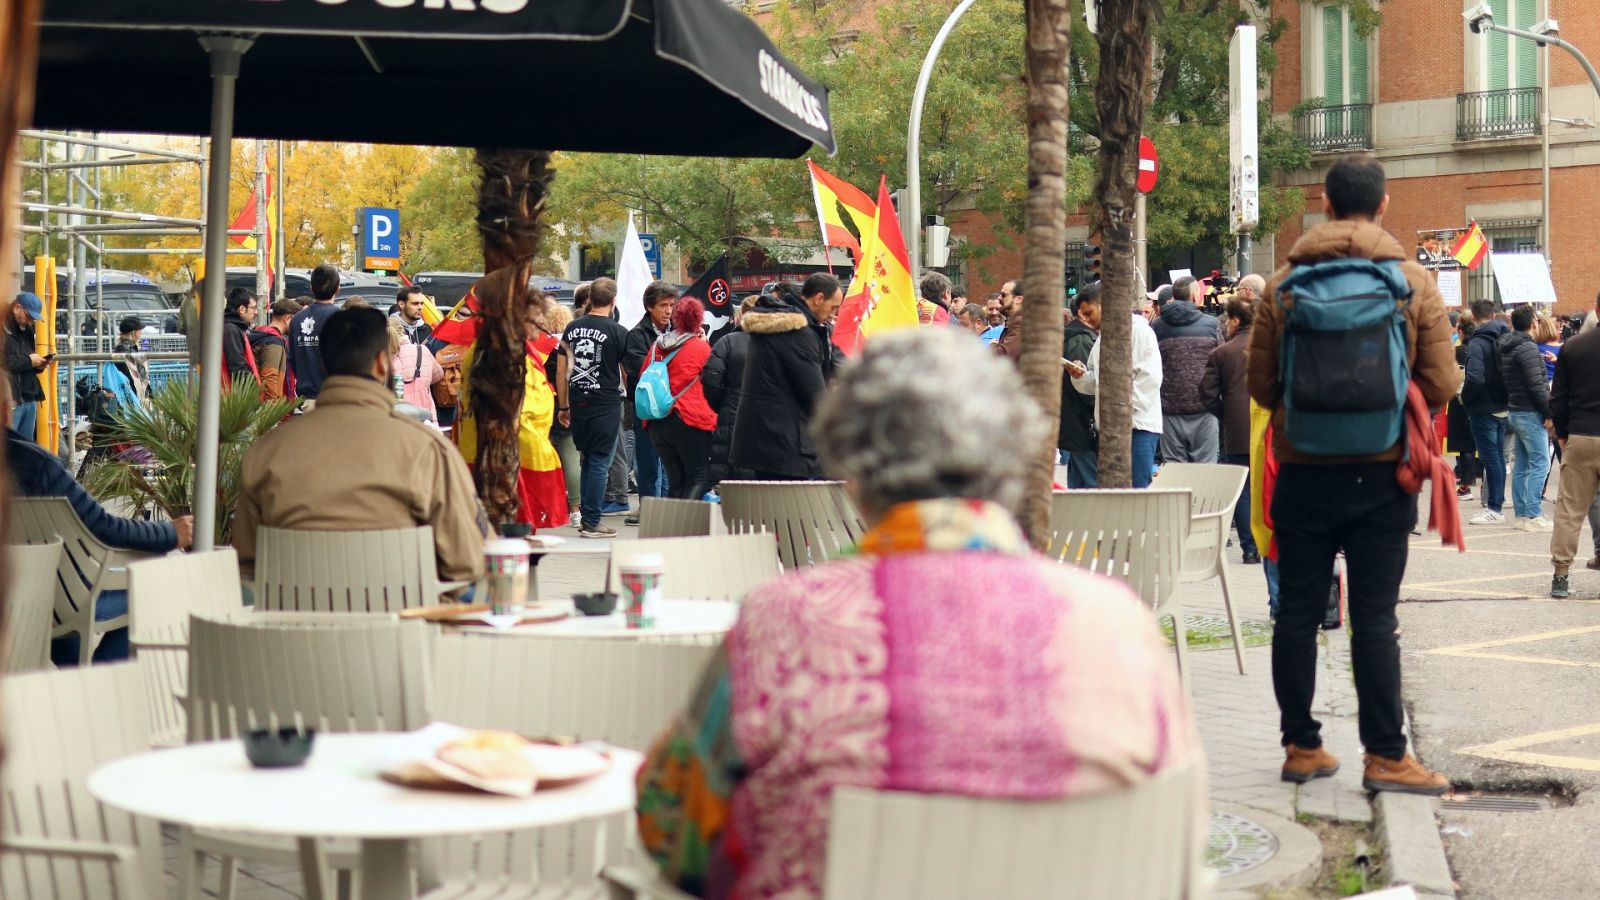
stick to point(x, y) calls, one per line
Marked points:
point(642, 561)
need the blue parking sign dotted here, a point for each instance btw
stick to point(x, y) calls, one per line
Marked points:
point(652, 253)
point(380, 238)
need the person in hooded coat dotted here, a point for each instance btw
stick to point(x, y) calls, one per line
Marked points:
point(724, 386)
point(791, 359)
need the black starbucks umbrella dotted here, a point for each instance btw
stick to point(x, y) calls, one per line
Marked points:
point(600, 75)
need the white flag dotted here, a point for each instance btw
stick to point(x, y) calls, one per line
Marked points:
point(633, 276)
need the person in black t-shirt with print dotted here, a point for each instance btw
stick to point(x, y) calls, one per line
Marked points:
point(589, 397)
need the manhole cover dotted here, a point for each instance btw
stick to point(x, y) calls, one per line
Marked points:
point(1497, 804)
point(1235, 844)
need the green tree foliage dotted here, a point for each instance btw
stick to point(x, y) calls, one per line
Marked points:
point(974, 147)
point(1188, 120)
point(442, 209)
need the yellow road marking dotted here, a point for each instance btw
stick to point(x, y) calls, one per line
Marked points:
point(1510, 750)
point(1462, 649)
point(1438, 549)
point(1459, 592)
point(1460, 581)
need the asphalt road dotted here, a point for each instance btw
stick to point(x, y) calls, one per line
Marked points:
point(1503, 687)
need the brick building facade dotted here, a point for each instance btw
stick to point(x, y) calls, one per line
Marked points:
point(1457, 120)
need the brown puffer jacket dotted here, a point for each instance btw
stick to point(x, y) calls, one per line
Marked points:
point(1429, 354)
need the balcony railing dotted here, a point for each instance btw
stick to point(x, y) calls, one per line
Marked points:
point(1330, 129)
point(1482, 115)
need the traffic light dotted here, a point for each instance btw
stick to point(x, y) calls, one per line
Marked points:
point(1091, 263)
point(1072, 278)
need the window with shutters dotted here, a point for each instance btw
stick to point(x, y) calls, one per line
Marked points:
point(1339, 85)
point(1506, 102)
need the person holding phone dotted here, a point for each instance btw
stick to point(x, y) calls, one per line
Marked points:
point(24, 363)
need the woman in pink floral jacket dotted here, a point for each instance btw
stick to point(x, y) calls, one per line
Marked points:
point(945, 657)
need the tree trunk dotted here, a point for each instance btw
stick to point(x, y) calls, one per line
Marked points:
point(1049, 27)
point(511, 199)
point(1120, 101)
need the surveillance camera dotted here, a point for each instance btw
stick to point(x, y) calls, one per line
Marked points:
point(1479, 18)
point(1548, 28)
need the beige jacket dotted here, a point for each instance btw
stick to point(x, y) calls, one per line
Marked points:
point(352, 464)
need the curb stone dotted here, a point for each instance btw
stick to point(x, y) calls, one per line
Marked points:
point(1296, 864)
point(1408, 827)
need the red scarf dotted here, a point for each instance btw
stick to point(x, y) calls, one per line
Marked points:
point(1424, 462)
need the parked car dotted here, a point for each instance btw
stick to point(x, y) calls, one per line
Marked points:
point(109, 297)
point(447, 288)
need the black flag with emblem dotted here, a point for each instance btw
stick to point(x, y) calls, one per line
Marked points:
point(715, 290)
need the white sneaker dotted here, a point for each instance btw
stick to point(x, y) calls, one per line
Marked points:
point(1541, 523)
point(1486, 517)
point(576, 519)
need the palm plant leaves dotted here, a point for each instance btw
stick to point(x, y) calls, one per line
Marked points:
point(158, 471)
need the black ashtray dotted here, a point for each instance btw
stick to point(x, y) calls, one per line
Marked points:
point(279, 749)
point(595, 604)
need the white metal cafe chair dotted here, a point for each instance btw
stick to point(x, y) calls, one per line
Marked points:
point(1214, 490)
point(723, 567)
point(58, 842)
point(333, 674)
point(622, 692)
point(347, 571)
point(1134, 535)
point(87, 567)
point(662, 517)
point(29, 601)
point(813, 521)
point(162, 594)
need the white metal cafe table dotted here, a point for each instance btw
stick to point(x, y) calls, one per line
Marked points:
point(674, 618)
point(338, 794)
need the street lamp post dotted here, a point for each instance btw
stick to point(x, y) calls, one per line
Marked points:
point(912, 223)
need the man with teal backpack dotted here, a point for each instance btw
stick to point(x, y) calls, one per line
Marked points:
point(1341, 334)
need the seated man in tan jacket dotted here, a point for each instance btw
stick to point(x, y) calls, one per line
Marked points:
point(354, 464)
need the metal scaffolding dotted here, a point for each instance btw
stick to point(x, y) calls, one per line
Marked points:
point(71, 206)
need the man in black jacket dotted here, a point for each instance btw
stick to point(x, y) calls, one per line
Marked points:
point(1077, 438)
point(723, 380)
point(37, 472)
point(648, 472)
point(791, 359)
point(1575, 416)
point(239, 314)
point(1484, 396)
point(1528, 399)
point(23, 362)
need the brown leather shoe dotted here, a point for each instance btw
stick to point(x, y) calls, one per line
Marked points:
point(1404, 775)
point(1301, 765)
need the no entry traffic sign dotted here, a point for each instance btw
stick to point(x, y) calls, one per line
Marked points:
point(1149, 166)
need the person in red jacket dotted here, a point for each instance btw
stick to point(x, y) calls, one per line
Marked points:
point(683, 438)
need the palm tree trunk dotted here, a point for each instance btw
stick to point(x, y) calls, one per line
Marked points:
point(1120, 100)
point(511, 199)
point(1049, 27)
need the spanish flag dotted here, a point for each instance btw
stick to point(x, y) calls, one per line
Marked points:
point(882, 296)
point(1471, 247)
point(246, 221)
point(830, 193)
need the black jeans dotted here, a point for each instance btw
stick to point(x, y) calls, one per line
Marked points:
point(686, 455)
point(1317, 510)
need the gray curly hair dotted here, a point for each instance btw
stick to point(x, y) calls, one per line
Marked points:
point(896, 431)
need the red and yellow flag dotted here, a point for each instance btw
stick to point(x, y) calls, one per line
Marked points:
point(1471, 247)
point(830, 194)
point(246, 221)
point(882, 295)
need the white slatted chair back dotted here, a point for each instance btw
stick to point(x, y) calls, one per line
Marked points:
point(347, 571)
point(725, 567)
point(87, 567)
point(1135, 535)
point(622, 692)
point(1145, 842)
point(162, 594)
point(813, 521)
point(60, 727)
point(1214, 489)
point(30, 598)
point(330, 676)
point(661, 517)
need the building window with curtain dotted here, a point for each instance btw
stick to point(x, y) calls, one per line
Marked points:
point(1506, 103)
point(1339, 115)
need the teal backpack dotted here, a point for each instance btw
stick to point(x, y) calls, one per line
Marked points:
point(1344, 356)
point(653, 398)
